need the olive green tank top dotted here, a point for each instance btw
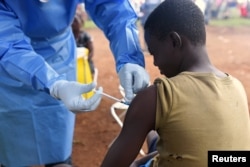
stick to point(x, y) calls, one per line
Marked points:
point(198, 112)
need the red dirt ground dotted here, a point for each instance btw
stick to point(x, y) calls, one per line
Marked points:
point(94, 131)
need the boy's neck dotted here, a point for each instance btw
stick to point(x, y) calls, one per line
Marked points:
point(196, 59)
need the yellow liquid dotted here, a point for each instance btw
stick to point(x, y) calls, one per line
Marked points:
point(83, 70)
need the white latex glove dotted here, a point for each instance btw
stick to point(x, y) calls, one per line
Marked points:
point(133, 78)
point(70, 92)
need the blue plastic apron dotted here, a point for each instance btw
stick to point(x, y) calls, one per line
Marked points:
point(37, 47)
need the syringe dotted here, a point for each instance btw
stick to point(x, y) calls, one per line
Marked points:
point(111, 97)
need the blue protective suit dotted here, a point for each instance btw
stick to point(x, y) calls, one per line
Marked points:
point(36, 49)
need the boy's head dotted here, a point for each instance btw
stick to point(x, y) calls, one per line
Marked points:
point(181, 16)
point(169, 28)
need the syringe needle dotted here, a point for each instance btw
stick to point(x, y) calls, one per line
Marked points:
point(109, 96)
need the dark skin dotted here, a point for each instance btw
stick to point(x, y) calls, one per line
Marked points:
point(177, 54)
point(173, 55)
point(142, 124)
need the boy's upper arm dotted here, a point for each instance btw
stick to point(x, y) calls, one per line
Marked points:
point(142, 110)
point(139, 120)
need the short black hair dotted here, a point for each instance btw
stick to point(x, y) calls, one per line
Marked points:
point(181, 16)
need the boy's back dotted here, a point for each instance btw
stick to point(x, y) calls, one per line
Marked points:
point(198, 112)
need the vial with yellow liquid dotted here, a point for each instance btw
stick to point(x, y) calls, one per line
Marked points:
point(84, 74)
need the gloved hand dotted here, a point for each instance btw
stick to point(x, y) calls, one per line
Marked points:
point(70, 93)
point(133, 78)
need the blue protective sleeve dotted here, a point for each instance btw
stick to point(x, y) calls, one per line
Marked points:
point(17, 56)
point(117, 19)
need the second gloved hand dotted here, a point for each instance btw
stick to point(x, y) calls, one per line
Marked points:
point(133, 78)
point(70, 92)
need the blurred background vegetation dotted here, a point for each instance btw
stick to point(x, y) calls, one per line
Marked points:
point(227, 13)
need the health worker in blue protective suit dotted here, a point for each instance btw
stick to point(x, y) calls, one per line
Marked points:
point(37, 71)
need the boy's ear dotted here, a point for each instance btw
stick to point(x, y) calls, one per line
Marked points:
point(176, 39)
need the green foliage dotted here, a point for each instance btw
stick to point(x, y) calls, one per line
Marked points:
point(231, 22)
point(89, 24)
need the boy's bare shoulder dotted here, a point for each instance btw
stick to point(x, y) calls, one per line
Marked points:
point(147, 96)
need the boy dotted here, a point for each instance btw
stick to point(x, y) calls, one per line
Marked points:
point(194, 109)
